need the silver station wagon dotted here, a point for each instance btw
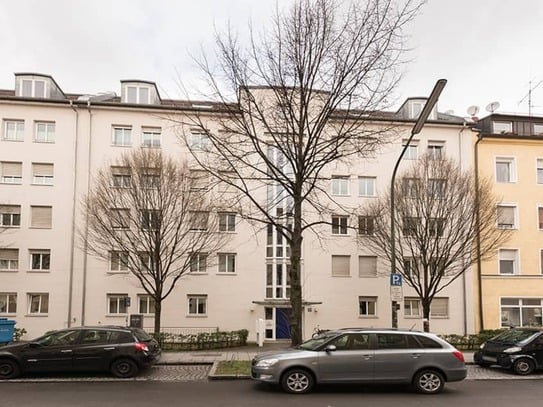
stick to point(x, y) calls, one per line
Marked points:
point(365, 356)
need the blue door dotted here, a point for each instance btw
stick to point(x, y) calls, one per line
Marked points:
point(282, 325)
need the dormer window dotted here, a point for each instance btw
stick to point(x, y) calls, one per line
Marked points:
point(502, 127)
point(37, 85)
point(137, 94)
point(33, 88)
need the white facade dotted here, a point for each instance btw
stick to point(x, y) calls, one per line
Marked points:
point(55, 284)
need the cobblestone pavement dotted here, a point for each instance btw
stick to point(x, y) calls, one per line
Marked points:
point(185, 373)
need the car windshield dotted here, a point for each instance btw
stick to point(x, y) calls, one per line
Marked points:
point(316, 342)
point(515, 336)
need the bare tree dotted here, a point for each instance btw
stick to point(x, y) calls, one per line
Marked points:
point(306, 90)
point(448, 222)
point(148, 215)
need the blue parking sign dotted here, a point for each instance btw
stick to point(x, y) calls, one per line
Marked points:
point(395, 280)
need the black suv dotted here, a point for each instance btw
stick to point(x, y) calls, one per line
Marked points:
point(519, 349)
point(120, 350)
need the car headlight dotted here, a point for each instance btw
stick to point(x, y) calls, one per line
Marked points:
point(482, 345)
point(266, 362)
point(514, 349)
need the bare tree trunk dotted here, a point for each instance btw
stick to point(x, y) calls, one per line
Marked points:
point(158, 314)
point(296, 295)
point(426, 315)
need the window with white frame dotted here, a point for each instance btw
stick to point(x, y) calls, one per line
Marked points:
point(146, 304)
point(151, 138)
point(14, 130)
point(42, 173)
point(436, 226)
point(150, 178)
point(367, 266)
point(409, 225)
point(38, 303)
point(366, 225)
point(199, 220)
point(540, 217)
point(539, 171)
point(227, 262)
point(117, 304)
point(367, 306)
point(33, 88)
point(199, 141)
point(410, 267)
point(10, 216)
point(12, 172)
point(436, 150)
point(412, 151)
point(9, 259)
point(340, 185)
point(277, 280)
point(227, 222)
point(8, 303)
point(44, 132)
point(227, 182)
point(199, 180)
point(366, 186)
point(341, 266)
point(40, 260)
point(138, 94)
point(41, 217)
point(197, 305)
point(506, 216)
point(121, 136)
point(505, 170)
point(150, 219)
point(508, 261)
point(410, 187)
point(146, 263)
point(502, 127)
point(519, 312)
point(121, 177)
point(411, 307)
point(436, 188)
point(339, 225)
point(439, 307)
point(120, 218)
point(198, 262)
point(118, 261)
point(538, 129)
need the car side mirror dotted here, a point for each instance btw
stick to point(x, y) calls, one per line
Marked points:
point(330, 348)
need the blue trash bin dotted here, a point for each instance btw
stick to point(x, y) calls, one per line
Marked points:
point(7, 326)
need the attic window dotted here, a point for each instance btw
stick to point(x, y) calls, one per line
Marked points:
point(502, 127)
point(138, 94)
point(538, 129)
point(33, 88)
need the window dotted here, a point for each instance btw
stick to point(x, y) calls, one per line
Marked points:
point(502, 127)
point(45, 132)
point(151, 138)
point(506, 216)
point(150, 178)
point(14, 130)
point(436, 188)
point(41, 217)
point(411, 307)
point(436, 150)
point(40, 260)
point(366, 186)
point(508, 261)
point(121, 177)
point(197, 304)
point(339, 225)
point(367, 266)
point(146, 304)
point(198, 262)
point(227, 262)
point(42, 174)
point(227, 222)
point(539, 171)
point(538, 129)
point(9, 259)
point(341, 266)
point(410, 267)
point(38, 303)
point(138, 94)
point(366, 225)
point(439, 307)
point(540, 217)
point(518, 312)
point(277, 280)
point(122, 136)
point(227, 182)
point(117, 303)
point(505, 170)
point(33, 88)
point(199, 220)
point(410, 187)
point(150, 219)
point(118, 261)
point(199, 141)
point(120, 218)
point(8, 303)
point(412, 151)
point(436, 227)
point(10, 216)
point(199, 180)
point(12, 172)
point(146, 263)
point(340, 185)
point(409, 226)
point(367, 306)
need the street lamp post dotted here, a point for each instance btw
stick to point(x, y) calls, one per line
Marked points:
point(419, 124)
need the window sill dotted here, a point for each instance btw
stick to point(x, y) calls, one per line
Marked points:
point(368, 317)
point(40, 227)
point(342, 276)
point(37, 315)
point(17, 140)
point(42, 185)
point(198, 273)
point(225, 273)
point(196, 316)
point(7, 315)
point(43, 142)
point(113, 272)
point(9, 271)
point(121, 145)
point(10, 227)
point(117, 315)
point(39, 271)
point(11, 183)
point(340, 235)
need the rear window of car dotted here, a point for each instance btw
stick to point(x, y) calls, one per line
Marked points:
point(427, 343)
point(141, 335)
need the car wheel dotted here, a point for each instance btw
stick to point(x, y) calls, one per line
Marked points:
point(124, 368)
point(429, 381)
point(9, 369)
point(523, 366)
point(297, 381)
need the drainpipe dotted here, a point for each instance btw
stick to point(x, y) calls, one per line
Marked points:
point(74, 196)
point(478, 236)
point(85, 244)
point(464, 284)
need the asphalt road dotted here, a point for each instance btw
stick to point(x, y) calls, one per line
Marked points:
point(245, 393)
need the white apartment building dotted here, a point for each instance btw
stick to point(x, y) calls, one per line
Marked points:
point(51, 144)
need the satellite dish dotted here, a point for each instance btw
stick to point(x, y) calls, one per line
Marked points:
point(449, 112)
point(492, 107)
point(473, 110)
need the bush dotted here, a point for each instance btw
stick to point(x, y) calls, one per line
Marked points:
point(203, 340)
point(471, 342)
point(18, 334)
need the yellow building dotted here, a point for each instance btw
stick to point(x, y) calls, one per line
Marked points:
point(509, 150)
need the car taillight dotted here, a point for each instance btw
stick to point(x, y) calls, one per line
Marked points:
point(459, 355)
point(141, 347)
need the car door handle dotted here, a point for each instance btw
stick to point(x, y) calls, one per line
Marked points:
point(415, 355)
point(367, 357)
point(110, 348)
point(66, 351)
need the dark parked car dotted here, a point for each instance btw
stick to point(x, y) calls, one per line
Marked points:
point(363, 356)
point(120, 350)
point(519, 349)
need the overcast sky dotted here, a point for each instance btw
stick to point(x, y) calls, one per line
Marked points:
point(488, 50)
